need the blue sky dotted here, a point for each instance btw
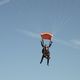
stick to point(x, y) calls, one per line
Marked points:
point(22, 21)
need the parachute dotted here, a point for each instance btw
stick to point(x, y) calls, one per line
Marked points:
point(46, 43)
point(46, 35)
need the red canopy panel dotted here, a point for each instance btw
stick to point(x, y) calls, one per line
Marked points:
point(46, 35)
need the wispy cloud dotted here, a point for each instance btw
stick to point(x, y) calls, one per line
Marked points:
point(76, 42)
point(2, 2)
point(70, 43)
point(63, 42)
point(29, 33)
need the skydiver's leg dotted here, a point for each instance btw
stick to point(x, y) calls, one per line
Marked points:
point(48, 61)
point(42, 59)
point(48, 57)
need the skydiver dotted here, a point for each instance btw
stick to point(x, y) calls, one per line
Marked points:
point(45, 51)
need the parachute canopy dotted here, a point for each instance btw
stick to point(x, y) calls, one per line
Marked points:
point(46, 35)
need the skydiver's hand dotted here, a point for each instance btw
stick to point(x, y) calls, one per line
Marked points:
point(51, 42)
point(42, 40)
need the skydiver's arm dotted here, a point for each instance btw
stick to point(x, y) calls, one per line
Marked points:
point(50, 43)
point(42, 43)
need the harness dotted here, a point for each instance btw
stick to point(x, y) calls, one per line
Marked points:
point(45, 52)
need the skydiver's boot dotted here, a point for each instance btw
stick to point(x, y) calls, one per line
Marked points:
point(41, 59)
